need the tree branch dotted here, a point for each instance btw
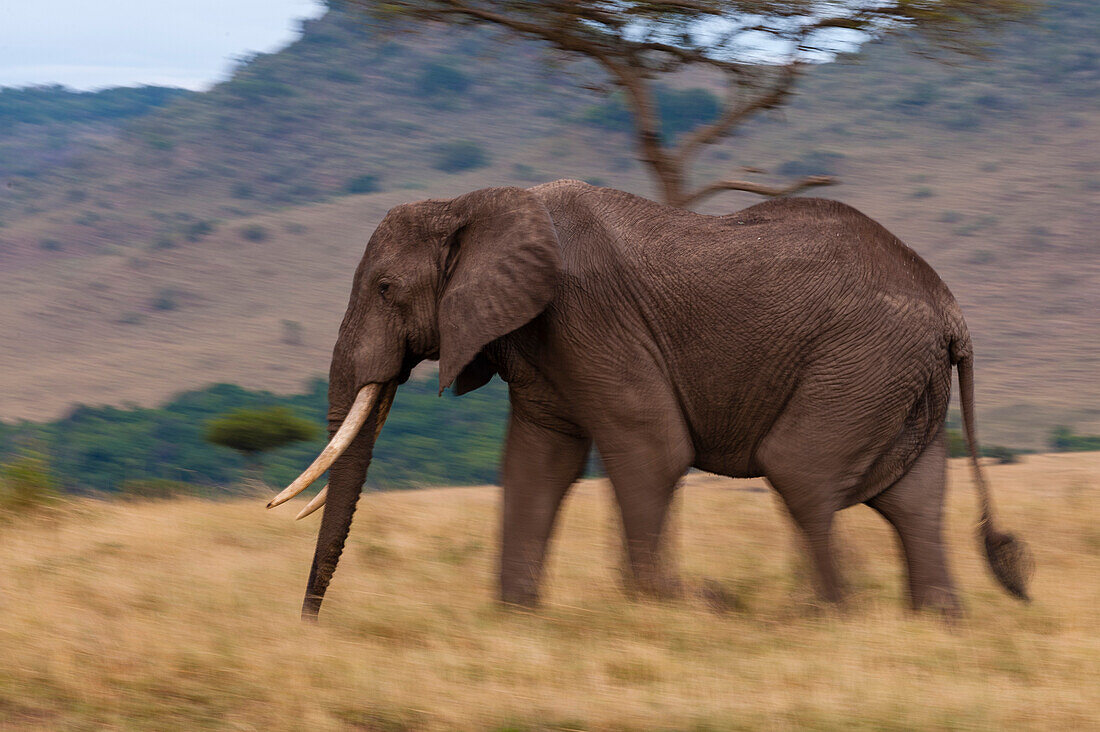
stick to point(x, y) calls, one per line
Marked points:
point(735, 115)
point(763, 190)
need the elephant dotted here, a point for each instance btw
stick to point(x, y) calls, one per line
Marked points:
point(795, 340)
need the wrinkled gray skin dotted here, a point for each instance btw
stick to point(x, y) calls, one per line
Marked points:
point(796, 340)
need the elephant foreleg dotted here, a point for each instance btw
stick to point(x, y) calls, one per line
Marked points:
point(646, 452)
point(539, 466)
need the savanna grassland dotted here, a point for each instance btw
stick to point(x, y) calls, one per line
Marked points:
point(182, 614)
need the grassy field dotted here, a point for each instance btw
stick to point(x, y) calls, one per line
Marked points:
point(183, 615)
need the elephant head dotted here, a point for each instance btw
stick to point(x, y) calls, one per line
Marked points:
point(440, 279)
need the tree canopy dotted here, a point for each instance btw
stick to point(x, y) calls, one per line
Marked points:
point(756, 48)
point(252, 431)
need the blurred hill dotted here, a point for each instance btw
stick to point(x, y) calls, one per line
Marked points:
point(212, 237)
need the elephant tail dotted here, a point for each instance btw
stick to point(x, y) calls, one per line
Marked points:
point(1008, 557)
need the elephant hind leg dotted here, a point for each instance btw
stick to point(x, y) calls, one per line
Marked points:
point(914, 507)
point(814, 484)
point(645, 449)
point(815, 520)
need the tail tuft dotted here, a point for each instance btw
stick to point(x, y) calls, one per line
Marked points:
point(1010, 559)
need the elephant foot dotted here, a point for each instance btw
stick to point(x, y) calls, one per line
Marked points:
point(717, 596)
point(653, 582)
point(941, 601)
point(526, 598)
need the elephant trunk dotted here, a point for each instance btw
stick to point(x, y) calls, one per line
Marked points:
point(346, 477)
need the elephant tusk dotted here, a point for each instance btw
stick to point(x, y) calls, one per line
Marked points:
point(313, 505)
point(364, 401)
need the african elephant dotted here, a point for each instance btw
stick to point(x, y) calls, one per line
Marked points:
point(796, 340)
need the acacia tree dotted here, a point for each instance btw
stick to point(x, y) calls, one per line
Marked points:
point(759, 48)
point(252, 432)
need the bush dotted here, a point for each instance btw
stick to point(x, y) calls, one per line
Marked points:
point(166, 299)
point(242, 190)
point(255, 233)
point(956, 444)
point(25, 483)
point(252, 91)
point(680, 110)
point(292, 333)
point(459, 155)
point(251, 431)
point(523, 171)
point(815, 162)
point(438, 79)
point(343, 76)
point(1063, 439)
point(363, 184)
point(197, 230)
point(1003, 455)
point(956, 448)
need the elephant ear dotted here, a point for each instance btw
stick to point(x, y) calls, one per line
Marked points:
point(501, 268)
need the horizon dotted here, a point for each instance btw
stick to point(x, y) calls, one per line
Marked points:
point(127, 43)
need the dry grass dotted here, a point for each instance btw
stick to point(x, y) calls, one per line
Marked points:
point(183, 614)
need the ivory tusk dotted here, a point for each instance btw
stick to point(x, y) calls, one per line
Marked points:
point(322, 495)
point(364, 401)
point(317, 502)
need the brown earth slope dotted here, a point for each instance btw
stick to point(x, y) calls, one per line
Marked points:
point(989, 172)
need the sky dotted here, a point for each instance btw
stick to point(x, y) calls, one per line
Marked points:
point(91, 44)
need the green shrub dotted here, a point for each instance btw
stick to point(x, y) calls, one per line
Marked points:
point(679, 111)
point(459, 155)
point(292, 332)
point(43, 104)
point(166, 299)
point(25, 483)
point(956, 448)
point(254, 233)
point(253, 91)
point(363, 184)
point(197, 230)
point(426, 441)
point(1003, 455)
point(252, 431)
point(438, 79)
point(1063, 439)
point(815, 162)
point(242, 190)
point(523, 171)
point(343, 76)
point(956, 444)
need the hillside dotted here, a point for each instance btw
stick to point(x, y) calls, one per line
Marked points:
point(178, 249)
point(184, 615)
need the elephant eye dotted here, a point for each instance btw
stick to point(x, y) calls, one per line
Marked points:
point(384, 289)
